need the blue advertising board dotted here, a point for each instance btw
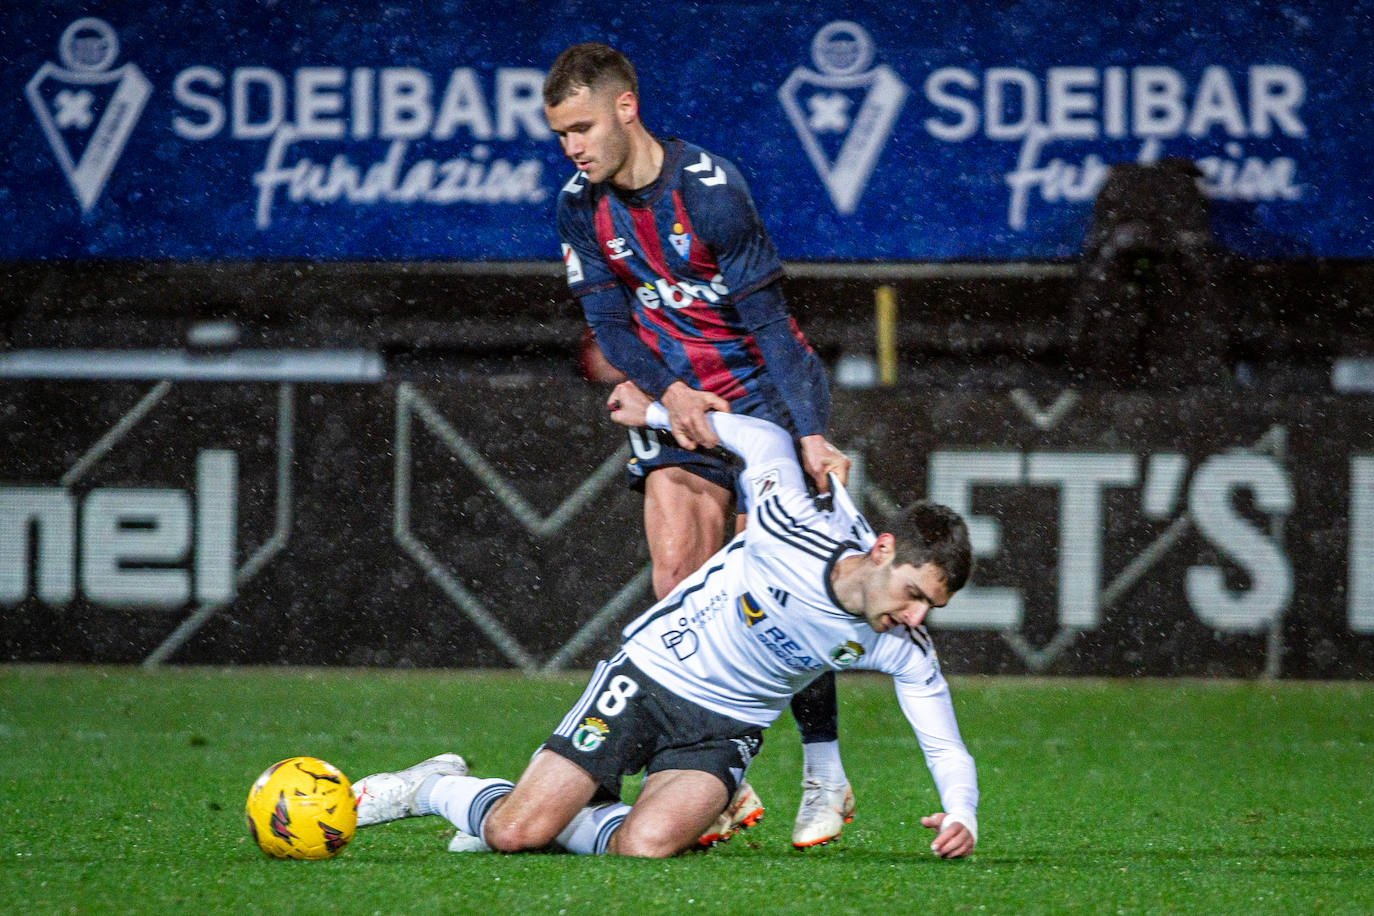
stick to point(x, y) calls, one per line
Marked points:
point(918, 131)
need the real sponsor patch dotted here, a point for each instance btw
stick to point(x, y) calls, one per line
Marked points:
point(790, 652)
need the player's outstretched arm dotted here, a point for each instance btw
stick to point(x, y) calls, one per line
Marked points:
point(952, 842)
point(930, 711)
point(629, 406)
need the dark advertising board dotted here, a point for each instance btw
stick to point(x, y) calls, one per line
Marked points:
point(428, 523)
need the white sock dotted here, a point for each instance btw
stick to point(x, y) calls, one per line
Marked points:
point(821, 763)
point(464, 801)
point(590, 830)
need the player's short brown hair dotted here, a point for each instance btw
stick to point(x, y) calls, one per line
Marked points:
point(928, 532)
point(590, 65)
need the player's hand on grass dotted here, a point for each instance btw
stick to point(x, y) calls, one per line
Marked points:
point(953, 842)
point(820, 459)
point(628, 404)
point(687, 408)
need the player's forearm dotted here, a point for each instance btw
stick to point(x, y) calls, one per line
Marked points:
point(764, 313)
point(608, 313)
point(951, 766)
point(624, 350)
point(956, 780)
point(785, 359)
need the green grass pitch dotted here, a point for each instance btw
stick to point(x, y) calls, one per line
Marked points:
point(122, 791)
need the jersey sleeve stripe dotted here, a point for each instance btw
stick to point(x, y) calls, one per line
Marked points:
point(921, 637)
point(790, 530)
point(775, 520)
point(650, 340)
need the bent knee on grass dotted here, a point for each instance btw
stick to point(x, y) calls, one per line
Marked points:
point(549, 793)
point(673, 809)
point(652, 841)
point(507, 831)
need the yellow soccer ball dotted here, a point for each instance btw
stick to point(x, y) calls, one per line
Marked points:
point(302, 808)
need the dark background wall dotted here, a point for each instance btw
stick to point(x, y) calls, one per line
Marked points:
point(477, 519)
point(1192, 325)
point(1281, 323)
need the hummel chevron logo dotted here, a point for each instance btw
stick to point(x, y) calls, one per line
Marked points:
point(574, 185)
point(705, 165)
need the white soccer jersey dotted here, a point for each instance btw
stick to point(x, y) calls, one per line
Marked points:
point(760, 620)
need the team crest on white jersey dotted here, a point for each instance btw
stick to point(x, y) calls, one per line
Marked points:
point(87, 111)
point(842, 143)
point(846, 653)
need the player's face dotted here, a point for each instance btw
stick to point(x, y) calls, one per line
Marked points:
point(590, 127)
point(904, 596)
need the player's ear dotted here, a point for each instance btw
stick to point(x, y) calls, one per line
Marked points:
point(883, 549)
point(627, 107)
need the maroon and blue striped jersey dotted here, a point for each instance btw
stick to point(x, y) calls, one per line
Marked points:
point(680, 256)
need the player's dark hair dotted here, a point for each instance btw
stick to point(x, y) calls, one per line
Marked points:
point(590, 65)
point(928, 532)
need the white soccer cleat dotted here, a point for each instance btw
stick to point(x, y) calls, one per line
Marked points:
point(386, 797)
point(743, 812)
point(466, 842)
point(823, 813)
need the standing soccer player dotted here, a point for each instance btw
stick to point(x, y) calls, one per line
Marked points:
point(679, 282)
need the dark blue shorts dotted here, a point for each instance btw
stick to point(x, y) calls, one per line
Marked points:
point(651, 448)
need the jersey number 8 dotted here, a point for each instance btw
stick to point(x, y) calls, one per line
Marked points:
point(612, 701)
